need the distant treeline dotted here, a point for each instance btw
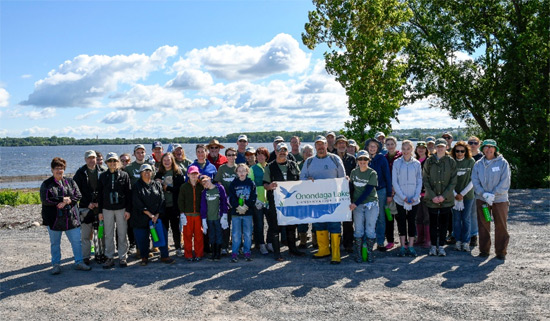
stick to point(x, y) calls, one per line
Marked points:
point(256, 137)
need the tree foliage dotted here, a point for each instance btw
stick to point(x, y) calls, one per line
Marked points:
point(364, 42)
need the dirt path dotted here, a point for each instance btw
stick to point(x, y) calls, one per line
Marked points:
point(459, 286)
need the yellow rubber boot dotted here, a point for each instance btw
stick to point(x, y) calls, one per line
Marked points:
point(322, 240)
point(335, 245)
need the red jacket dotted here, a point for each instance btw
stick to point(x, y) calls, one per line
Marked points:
point(219, 162)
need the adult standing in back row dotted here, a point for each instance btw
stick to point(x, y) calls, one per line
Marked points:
point(491, 179)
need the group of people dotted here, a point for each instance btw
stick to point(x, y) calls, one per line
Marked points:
point(437, 192)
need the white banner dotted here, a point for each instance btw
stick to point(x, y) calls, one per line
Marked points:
point(324, 200)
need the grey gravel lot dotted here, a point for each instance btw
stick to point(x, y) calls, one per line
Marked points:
point(459, 286)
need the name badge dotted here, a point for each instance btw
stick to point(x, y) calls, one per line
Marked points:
point(496, 169)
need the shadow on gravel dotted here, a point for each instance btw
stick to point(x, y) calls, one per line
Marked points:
point(537, 210)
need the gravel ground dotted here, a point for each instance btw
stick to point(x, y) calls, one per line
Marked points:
point(459, 286)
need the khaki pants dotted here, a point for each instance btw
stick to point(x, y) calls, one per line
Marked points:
point(109, 219)
point(499, 213)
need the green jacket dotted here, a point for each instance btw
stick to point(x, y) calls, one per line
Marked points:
point(439, 176)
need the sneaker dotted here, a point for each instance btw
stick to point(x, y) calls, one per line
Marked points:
point(412, 252)
point(56, 269)
point(247, 257)
point(263, 249)
point(179, 253)
point(197, 259)
point(155, 250)
point(87, 261)
point(458, 246)
point(389, 246)
point(483, 254)
point(224, 252)
point(473, 241)
point(168, 260)
point(402, 251)
point(122, 263)
point(109, 263)
point(433, 251)
point(234, 258)
point(450, 240)
point(381, 248)
point(189, 259)
point(465, 247)
point(82, 267)
point(144, 262)
point(441, 251)
point(270, 247)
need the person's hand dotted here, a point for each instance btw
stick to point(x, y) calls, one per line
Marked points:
point(155, 218)
point(459, 197)
point(183, 219)
point(259, 204)
point(388, 200)
point(204, 226)
point(61, 205)
point(100, 216)
point(435, 200)
point(347, 177)
point(91, 206)
point(352, 206)
point(67, 200)
point(223, 221)
point(272, 186)
point(126, 215)
point(441, 199)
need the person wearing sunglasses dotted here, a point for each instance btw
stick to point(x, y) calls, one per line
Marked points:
point(214, 156)
point(473, 143)
point(448, 137)
point(225, 175)
point(464, 196)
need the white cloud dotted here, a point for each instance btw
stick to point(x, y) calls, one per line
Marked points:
point(85, 80)
point(41, 114)
point(281, 55)
point(86, 115)
point(37, 131)
point(142, 97)
point(119, 116)
point(4, 97)
point(191, 79)
point(421, 115)
point(26, 76)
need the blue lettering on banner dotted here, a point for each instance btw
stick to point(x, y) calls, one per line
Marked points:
point(308, 211)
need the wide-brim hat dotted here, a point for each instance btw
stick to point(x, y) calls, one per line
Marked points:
point(341, 138)
point(215, 142)
point(489, 142)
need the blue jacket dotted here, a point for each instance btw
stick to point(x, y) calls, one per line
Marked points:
point(380, 164)
point(208, 169)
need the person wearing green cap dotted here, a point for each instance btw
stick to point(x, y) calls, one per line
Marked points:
point(491, 179)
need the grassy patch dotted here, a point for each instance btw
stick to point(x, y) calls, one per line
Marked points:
point(14, 198)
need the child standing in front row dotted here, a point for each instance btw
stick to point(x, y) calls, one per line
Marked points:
point(242, 195)
point(214, 214)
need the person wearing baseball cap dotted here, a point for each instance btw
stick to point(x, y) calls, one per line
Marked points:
point(325, 165)
point(86, 178)
point(381, 137)
point(214, 155)
point(182, 161)
point(430, 144)
point(115, 205)
point(242, 143)
point(491, 179)
point(157, 150)
point(353, 148)
point(448, 139)
point(273, 154)
point(331, 141)
point(189, 204)
point(349, 164)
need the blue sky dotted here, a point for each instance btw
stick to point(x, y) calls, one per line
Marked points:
point(167, 68)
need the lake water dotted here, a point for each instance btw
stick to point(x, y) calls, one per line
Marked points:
point(35, 160)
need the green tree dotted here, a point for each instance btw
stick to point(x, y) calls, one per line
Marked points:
point(364, 40)
point(505, 89)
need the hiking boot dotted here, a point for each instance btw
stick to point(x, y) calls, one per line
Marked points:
point(501, 257)
point(56, 269)
point(412, 252)
point(441, 251)
point(82, 267)
point(167, 260)
point(263, 249)
point(433, 251)
point(179, 253)
point(381, 248)
point(458, 246)
point(197, 259)
point(402, 251)
point(109, 263)
point(122, 263)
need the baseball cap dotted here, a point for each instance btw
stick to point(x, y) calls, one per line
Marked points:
point(363, 154)
point(156, 144)
point(352, 142)
point(176, 146)
point(320, 138)
point(112, 155)
point(379, 134)
point(242, 137)
point(192, 169)
point(331, 133)
point(430, 139)
point(90, 153)
point(440, 141)
point(138, 146)
point(281, 146)
point(278, 139)
point(250, 150)
point(341, 137)
point(145, 167)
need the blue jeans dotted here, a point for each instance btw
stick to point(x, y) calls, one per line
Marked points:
point(381, 221)
point(214, 232)
point(242, 226)
point(55, 244)
point(462, 222)
point(332, 227)
point(364, 221)
point(259, 226)
point(141, 236)
point(474, 228)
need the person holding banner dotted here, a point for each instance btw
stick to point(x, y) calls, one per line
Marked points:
point(363, 183)
point(147, 204)
point(322, 166)
point(280, 170)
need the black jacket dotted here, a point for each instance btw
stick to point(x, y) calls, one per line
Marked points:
point(349, 163)
point(273, 156)
point(146, 197)
point(120, 185)
point(82, 180)
point(292, 174)
point(51, 194)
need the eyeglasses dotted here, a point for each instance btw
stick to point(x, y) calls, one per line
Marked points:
point(461, 151)
point(215, 147)
point(473, 143)
point(447, 137)
point(112, 161)
point(231, 155)
point(242, 141)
